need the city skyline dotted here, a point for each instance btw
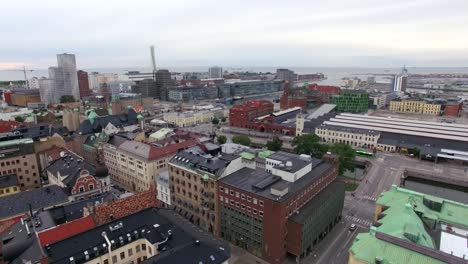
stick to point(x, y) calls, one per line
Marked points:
point(337, 33)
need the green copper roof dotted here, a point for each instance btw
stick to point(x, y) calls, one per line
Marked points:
point(366, 248)
point(441, 209)
point(206, 177)
point(265, 154)
point(408, 215)
point(139, 116)
point(247, 155)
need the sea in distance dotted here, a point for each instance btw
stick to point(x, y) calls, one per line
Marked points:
point(333, 75)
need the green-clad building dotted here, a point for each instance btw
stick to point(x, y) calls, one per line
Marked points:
point(412, 228)
point(352, 101)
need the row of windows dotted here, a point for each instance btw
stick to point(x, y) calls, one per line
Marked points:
point(345, 135)
point(130, 253)
point(239, 205)
point(7, 190)
point(241, 195)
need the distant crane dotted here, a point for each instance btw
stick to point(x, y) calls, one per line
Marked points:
point(25, 75)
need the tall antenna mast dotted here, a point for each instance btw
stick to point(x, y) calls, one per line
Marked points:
point(153, 58)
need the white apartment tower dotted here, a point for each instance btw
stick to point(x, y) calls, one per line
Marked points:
point(215, 72)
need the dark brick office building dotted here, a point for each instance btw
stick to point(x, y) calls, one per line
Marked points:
point(256, 205)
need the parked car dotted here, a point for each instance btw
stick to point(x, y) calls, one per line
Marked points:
point(352, 227)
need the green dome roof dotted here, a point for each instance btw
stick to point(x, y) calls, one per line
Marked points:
point(139, 116)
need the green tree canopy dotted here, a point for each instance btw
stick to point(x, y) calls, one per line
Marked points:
point(275, 144)
point(215, 121)
point(223, 119)
point(346, 156)
point(67, 99)
point(19, 119)
point(309, 144)
point(241, 139)
point(221, 139)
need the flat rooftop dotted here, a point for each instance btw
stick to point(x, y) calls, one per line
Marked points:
point(260, 182)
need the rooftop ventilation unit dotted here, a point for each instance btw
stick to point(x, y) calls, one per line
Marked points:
point(117, 226)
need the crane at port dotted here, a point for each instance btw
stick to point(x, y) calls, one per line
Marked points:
point(24, 70)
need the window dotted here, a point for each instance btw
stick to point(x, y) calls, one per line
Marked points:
point(130, 252)
point(221, 189)
point(248, 209)
point(231, 202)
point(226, 191)
point(81, 189)
point(105, 261)
point(237, 194)
point(114, 259)
point(243, 196)
point(260, 213)
point(138, 248)
point(249, 199)
point(255, 200)
point(237, 204)
point(143, 247)
point(254, 211)
point(261, 203)
point(232, 192)
point(122, 255)
point(91, 186)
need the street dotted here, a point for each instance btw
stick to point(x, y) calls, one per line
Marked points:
point(386, 170)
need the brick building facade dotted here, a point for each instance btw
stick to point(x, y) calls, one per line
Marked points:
point(257, 204)
point(248, 116)
point(309, 97)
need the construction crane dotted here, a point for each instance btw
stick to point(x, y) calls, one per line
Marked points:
point(25, 75)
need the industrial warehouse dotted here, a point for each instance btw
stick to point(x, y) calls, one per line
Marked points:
point(433, 140)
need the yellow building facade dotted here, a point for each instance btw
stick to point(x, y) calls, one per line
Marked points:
point(416, 107)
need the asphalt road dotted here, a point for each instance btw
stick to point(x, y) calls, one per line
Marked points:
point(386, 170)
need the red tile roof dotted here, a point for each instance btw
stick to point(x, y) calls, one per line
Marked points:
point(66, 230)
point(54, 153)
point(156, 153)
point(8, 126)
point(5, 225)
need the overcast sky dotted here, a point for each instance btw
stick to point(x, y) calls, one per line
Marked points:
point(331, 33)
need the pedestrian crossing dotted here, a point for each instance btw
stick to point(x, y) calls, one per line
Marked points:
point(370, 198)
point(357, 220)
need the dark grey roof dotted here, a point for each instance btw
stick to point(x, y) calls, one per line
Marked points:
point(349, 129)
point(152, 224)
point(70, 166)
point(100, 122)
point(333, 189)
point(207, 163)
point(246, 179)
point(41, 131)
point(116, 140)
point(419, 141)
point(38, 198)
point(19, 247)
point(8, 181)
point(71, 211)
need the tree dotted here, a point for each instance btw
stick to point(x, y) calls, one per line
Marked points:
point(275, 144)
point(242, 140)
point(221, 139)
point(223, 119)
point(215, 121)
point(346, 156)
point(67, 99)
point(309, 144)
point(19, 119)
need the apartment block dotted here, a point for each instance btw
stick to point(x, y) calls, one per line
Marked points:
point(415, 107)
point(17, 156)
point(136, 165)
point(194, 180)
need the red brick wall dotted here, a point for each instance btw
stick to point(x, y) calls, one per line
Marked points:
point(453, 110)
point(105, 213)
